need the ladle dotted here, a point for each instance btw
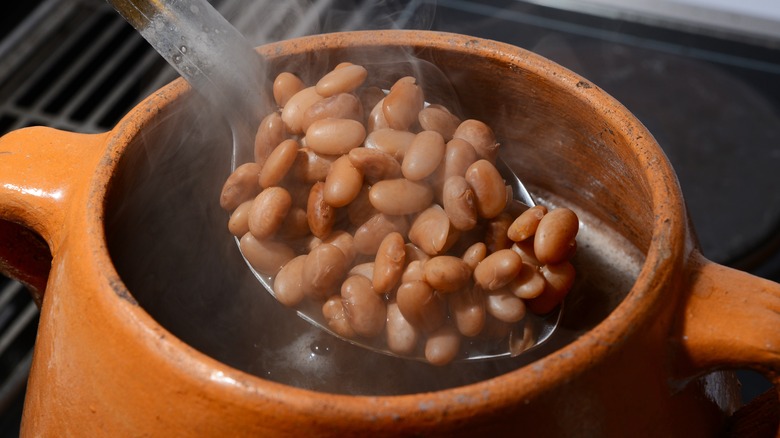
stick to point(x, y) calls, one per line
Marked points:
point(221, 65)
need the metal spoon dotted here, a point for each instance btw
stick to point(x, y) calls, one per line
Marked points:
point(221, 65)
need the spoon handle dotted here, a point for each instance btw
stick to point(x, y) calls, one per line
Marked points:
point(208, 52)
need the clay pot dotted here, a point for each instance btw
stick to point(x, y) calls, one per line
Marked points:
point(114, 356)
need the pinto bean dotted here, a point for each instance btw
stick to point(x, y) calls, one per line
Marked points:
point(375, 164)
point(440, 120)
point(526, 224)
point(339, 106)
point(489, 188)
point(333, 311)
point(504, 306)
point(389, 263)
point(442, 346)
point(288, 283)
point(496, 232)
point(467, 307)
point(421, 305)
point(364, 308)
point(342, 80)
point(320, 215)
point(559, 280)
point(402, 105)
point(529, 283)
point(343, 241)
point(413, 272)
point(266, 256)
point(279, 163)
point(498, 269)
point(479, 135)
point(365, 269)
point(459, 203)
point(400, 196)
point(402, 337)
point(295, 224)
point(475, 254)
point(447, 273)
point(310, 167)
point(343, 183)
point(555, 236)
point(238, 225)
point(394, 142)
point(431, 231)
point(376, 117)
point(296, 106)
point(285, 86)
point(325, 268)
point(242, 185)
point(268, 211)
point(360, 209)
point(271, 132)
point(423, 156)
point(369, 236)
point(335, 136)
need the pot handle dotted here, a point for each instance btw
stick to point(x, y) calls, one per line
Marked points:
point(730, 319)
point(41, 170)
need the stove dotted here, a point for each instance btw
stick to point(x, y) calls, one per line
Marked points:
point(710, 96)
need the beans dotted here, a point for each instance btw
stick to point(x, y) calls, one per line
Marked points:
point(343, 183)
point(555, 236)
point(389, 263)
point(423, 156)
point(241, 186)
point(489, 188)
point(498, 269)
point(400, 196)
point(267, 212)
point(335, 136)
point(397, 222)
point(364, 308)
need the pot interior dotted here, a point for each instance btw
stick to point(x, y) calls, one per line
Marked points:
point(168, 239)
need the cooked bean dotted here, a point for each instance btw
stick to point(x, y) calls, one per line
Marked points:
point(421, 305)
point(333, 311)
point(343, 183)
point(325, 268)
point(365, 269)
point(447, 273)
point(360, 209)
point(376, 117)
point(489, 188)
point(343, 241)
point(413, 272)
point(526, 224)
point(431, 231)
point(394, 142)
point(285, 86)
point(526, 251)
point(494, 328)
point(238, 225)
point(459, 203)
point(296, 106)
point(559, 280)
point(370, 96)
point(389, 263)
point(402, 105)
point(496, 232)
point(458, 156)
point(440, 120)
point(498, 269)
point(479, 135)
point(335, 136)
point(504, 306)
point(555, 236)
point(268, 211)
point(402, 337)
point(423, 156)
point(271, 132)
point(369, 236)
point(310, 167)
point(266, 256)
point(295, 224)
point(375, 164)
point(339, 106)
point(279, 163)
point(288, 283)
point(413, 252)
point(442, 346)
point(475, 254)
point(364, 308)
point(467, 307)
point(530, 283)
point(400, 196)
point(342, 80)
point(320, 215)
point(242, 185)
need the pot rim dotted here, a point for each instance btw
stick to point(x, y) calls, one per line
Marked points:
point(664, 256)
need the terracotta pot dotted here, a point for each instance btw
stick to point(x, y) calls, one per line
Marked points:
point(113, 357)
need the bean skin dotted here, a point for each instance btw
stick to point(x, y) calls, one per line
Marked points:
point(266, 256)
point(498, 269)
point(421, 305)
point(242, 185)
point(285, 86)
point(376, 117)
point(320, 215)
point(496, 232)
point(555, 236)
point(369, 236)
point(400, 196)
point(288, 283)
point(423, 156)
point(279, 162)
point(489, 188)
point(430, 231)
point(442, 346)
point(343, 183)
point(325, 268)
point(375, 164)
point(525, 225)
point(339, 106)
point(333, 311)
point(271, 132)
point(364, 308)
point(389, 263)
point(447, 273)
point(459, 203)
point(559, 280)
point(268, 211)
